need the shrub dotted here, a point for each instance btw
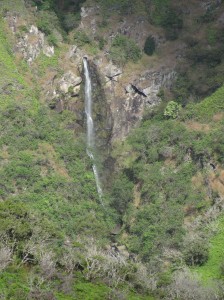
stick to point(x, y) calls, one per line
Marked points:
point(118, 56)
point(47, 22)
point(196, 253)
point(101, 42)
point(163, 14)
point(150, 45)
point(81, 38)
point(15, 221)
point(187, 286)
point(71, 21)
point(172, 110)
point(52, 40)
point(126, 48)
point(122, 193)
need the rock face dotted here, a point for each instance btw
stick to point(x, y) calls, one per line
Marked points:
point(127, 94)
point(70, 82)
point(48, 50)
point(112, 72)
point(127, 103)
point(101, 110)
point(31, 42)
point(64, 93)
point(119, 101)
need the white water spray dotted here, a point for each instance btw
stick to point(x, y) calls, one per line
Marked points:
point(90, 126)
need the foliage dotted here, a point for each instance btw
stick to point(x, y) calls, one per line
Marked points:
point(71, 21)
point(150, 45)
point(212, 268)
point(47, 22)
point(202, 72)
point(124, 49)
point(172, 110)
point(67, 11)
point(188, 286)
point(124, 7)
point(157, 225)
point(52, 40)
point(196, 253)
point(165, 188)
point(122, 193)
point(163, 14)
point(81, 38)
point(206, 109)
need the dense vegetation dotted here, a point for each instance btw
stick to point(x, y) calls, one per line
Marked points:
point(173, 213)
point(165, 194)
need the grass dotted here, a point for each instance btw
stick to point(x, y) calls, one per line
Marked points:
point(211, 270)
point(13, 284)
point(13, 5)
point(13, 88)
point(43, 62)
point(206, 109)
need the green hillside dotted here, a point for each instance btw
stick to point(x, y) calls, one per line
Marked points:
point(160, 232)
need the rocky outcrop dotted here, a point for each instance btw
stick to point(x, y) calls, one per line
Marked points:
point(64, 93)
point(128, 102)
point(30, 42)
point(30, 45)
point(119, 102)
point(112, 72)
point(127, 97)
point(150, 83)
point(70, 83)
point(48, 50)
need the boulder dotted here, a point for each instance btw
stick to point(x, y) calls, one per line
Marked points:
point(129, 89)
point(69, 80)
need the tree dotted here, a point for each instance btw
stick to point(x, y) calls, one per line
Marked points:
point(150, 45)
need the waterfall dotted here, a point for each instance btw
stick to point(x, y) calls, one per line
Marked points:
point(90, 127)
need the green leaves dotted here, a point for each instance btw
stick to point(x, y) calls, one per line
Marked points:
point(124, 49)
point(14, 221)
point(172, 110)
point(122, 193)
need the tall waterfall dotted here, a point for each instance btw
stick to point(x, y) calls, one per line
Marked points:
point(90, 126)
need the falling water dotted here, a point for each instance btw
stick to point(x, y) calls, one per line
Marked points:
point(90, 126)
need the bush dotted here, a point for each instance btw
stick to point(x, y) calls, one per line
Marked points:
point(196, 253)
point(122, 193)
point(124, 49)
point(15, 221)
point(172, 110)
point(81, 38)
point(150, 45)
point(163, 14)
point(71, 21)
point(187, 286)
point(52, 40)
point(47, 22)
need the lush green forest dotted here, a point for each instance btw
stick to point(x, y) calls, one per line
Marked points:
point(160, 233)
